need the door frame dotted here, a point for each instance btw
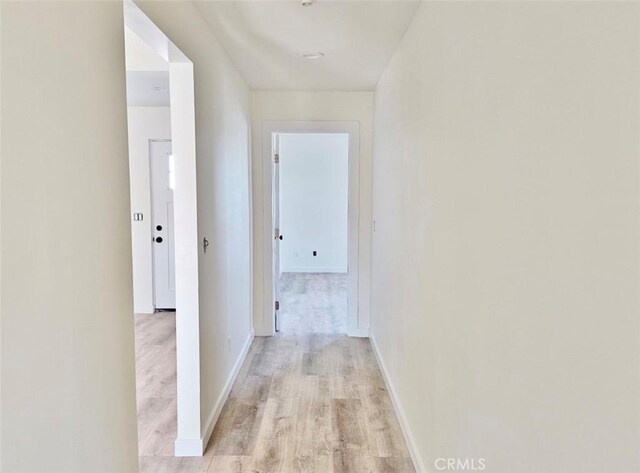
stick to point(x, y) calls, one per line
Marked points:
point(352, 128)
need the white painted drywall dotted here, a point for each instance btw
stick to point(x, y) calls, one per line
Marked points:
point(140, 56)
point(505, 257)
point(314, 175)
point(144, 124)
point(68, 383)
point(223, 193)
point(308, 106)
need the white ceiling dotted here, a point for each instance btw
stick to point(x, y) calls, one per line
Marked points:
point(148, 88)
point(147, 74)
point(265, 39)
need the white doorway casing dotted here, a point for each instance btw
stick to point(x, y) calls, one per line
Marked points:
point(271, 129)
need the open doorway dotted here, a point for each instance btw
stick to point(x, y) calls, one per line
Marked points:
point(311, 179)
point(313, 222)
point(161, 125)
point(153, 246)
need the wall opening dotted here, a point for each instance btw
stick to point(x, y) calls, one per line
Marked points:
point(311, 195)
point(161, 122)
point(289, 137)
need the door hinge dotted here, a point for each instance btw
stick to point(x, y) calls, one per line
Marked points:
point(277, 305)
point(276, 233)
point(276, 158)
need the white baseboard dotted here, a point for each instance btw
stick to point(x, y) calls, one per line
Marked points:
point(260, 331)
point(144, 310)
point(411, 445)
point(196, 447)
point(314, 270)
point(188, 448)
point(358, 332)
point(217, 409)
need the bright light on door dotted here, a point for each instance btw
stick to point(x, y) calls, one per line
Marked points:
point(172, 173)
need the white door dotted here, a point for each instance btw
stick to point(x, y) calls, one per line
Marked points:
point(162, 180)
point(277, 237)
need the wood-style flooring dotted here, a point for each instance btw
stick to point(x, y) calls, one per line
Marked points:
point(303, 402)
point(313, 303)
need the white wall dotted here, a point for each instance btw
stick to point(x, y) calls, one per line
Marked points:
point(144, 124)
point(140, 56)
point(224, 205)
point(68, 394)
point(314, 179)
point(308, 106)
point(505, 257)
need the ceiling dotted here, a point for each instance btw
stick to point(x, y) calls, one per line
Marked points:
point(147, 74)
point(265, 39)
point(148, 88)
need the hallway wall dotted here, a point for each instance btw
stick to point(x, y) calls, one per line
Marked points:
point(224, 205)
point(505, 256)
point(68, 395)
point(308, 106)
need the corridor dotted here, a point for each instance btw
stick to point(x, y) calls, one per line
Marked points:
point(309, 399)
point(309, 403)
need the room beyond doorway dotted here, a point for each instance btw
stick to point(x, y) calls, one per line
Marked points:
point(313, 303)
point(311, 202)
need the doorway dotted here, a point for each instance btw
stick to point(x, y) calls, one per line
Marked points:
point(312, 263)
point(165, 241)
point(311, 178)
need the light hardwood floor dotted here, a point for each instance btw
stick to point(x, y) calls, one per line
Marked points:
point(313, 303)
point(303, 402)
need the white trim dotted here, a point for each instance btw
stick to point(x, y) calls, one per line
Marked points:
point(188, 447)
point(317, 269)
point(217, 409)
point(352, 128)
point(406, 432)
point(358, 332)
